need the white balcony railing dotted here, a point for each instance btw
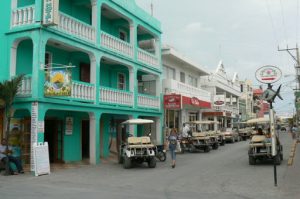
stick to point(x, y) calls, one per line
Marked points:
point(173, 86)
point(23, 16)
point(75, 27)
point(148, 58)
point(83, 91)
point(25, 88)
point(148, 101)
point(116, 97)
point(116, 44)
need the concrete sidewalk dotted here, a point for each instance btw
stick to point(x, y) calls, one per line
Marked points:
point(291, 181)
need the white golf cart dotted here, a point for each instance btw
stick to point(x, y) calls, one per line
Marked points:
point(137, 149)
point(260, 146)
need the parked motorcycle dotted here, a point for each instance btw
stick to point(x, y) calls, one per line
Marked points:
point(161, 153)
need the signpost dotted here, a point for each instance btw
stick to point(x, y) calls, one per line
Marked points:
point(268, 75)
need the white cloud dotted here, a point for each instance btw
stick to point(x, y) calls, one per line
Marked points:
point(195, 28)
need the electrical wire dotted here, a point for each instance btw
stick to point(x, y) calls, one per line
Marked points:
point(283, 22)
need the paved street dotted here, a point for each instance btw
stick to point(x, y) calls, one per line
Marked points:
point(222, 173)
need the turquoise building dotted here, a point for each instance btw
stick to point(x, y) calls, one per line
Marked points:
point(112, 51)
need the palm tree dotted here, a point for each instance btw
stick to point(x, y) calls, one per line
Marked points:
point(8, 91)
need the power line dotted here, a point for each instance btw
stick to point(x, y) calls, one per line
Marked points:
point(283, 22)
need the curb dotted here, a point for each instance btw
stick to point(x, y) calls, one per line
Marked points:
point(292, 153)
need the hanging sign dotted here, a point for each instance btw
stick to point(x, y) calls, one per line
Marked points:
point(50, 12)
point(268, 74)
point(69, 125)
point(172, 101)
point(58, 82)
point(219, 100)
point(34, 131)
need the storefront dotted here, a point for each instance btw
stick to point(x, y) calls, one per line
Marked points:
point(180, 109)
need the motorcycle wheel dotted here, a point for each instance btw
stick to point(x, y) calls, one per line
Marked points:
point(161, 156)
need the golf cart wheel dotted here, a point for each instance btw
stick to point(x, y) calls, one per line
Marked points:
point(277, 159)
point(207, 149)
point(215, 146)
point(182, 148)
point(281, 156)
point(152, 162)
point(127, 163)
point(252, 160)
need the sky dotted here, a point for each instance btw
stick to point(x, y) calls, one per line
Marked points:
point(244, 34)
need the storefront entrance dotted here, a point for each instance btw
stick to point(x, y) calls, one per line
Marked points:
point(85, 139)
point(54, 137)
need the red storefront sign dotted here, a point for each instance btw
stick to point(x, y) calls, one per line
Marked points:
point(172, 101)
point(195, 102)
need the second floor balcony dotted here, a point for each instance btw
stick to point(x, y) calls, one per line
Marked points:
point(173, 86)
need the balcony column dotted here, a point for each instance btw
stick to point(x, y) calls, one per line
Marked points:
point(133, 128)
point(158, 49)
point(133, 86)
point(96, 19)
point(38, 11)
point(94, 137)
point(95, 75)
point(38, 60)
point(158, 89)
point(14, 4)
point(133, 38)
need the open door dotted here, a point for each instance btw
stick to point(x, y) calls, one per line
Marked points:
point(54, 137)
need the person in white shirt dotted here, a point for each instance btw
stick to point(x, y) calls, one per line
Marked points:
point(185, 131)
point(5, 156)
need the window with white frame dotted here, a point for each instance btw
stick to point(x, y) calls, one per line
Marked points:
point(48, 59)
point(182, 77)
point(193, 81)
point(121, 81)
point(169, 72)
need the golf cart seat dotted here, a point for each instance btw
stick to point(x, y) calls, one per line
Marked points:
point(201, 134)
point(138, 142)
point(258, 138)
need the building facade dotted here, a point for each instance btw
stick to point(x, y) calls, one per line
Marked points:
point(108, 50)
point(225, 95)
point(184, 99)
point(246, 100)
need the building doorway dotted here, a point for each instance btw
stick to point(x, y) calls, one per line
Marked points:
point(54, 137)
point(85, 139)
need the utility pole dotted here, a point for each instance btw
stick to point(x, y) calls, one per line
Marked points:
point(296, 58)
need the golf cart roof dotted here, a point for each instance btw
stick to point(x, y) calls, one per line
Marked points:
point(258, 120)
point(138, 121)
point(203, 122)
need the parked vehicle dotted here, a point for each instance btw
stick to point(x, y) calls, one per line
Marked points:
point(231, 135)
point(137, 149)
point(245, 133)
point(260, 148)
point(160, 153)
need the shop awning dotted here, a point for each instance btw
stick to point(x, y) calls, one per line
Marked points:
point(177, 101)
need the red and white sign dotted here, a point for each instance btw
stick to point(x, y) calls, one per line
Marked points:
point(268, 74)
point(219, 100)
point(172, 101)
point(195, 102)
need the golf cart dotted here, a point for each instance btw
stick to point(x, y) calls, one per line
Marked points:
point(244, 131)
point(196, 140)
point(260, 146)
point(216, 138)
point(137, 149)
point(231, 135)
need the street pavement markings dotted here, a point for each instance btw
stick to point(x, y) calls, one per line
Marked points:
point(292, 153)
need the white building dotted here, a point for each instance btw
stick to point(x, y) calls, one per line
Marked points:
point(225, 94)
point(247, 98)
point(184, 99)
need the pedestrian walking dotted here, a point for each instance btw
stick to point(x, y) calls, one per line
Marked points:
point(294, 131)
point(172, 145)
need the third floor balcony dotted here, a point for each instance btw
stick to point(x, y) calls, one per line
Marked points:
point(119, 33)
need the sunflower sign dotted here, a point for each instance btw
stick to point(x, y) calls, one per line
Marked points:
point(58, 82)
